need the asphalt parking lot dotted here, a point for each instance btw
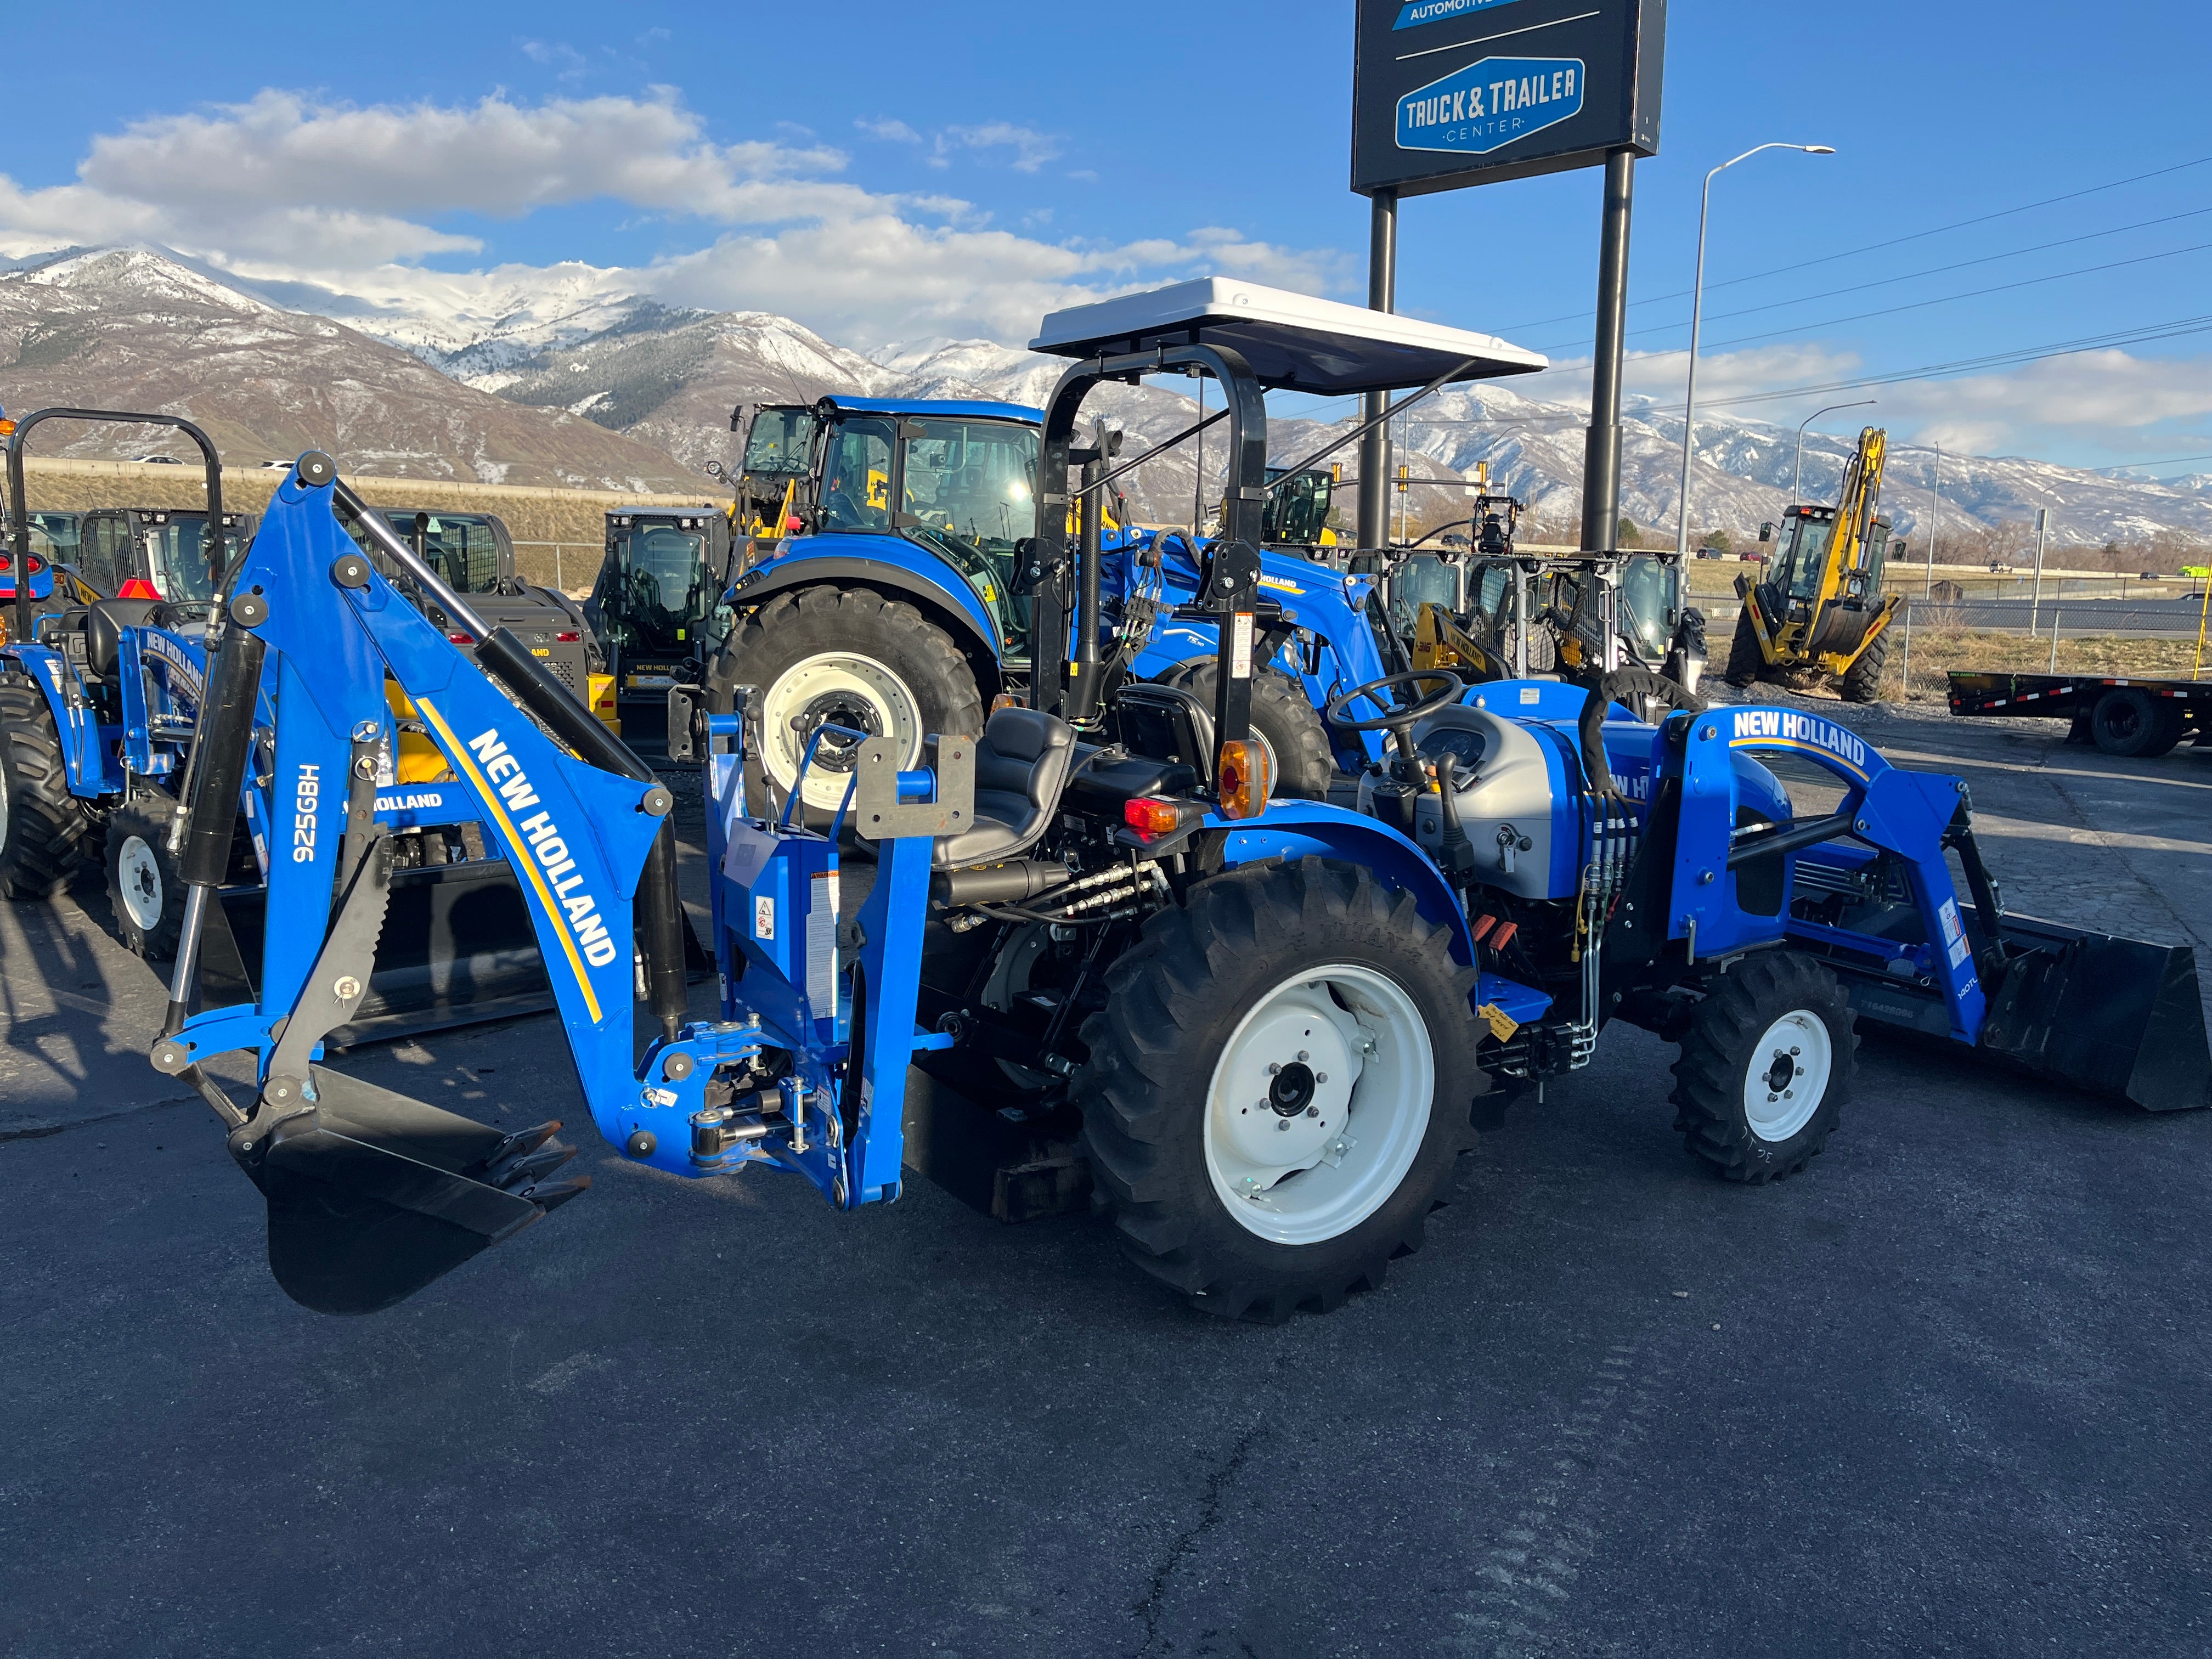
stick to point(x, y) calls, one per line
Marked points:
point(1940, 1394)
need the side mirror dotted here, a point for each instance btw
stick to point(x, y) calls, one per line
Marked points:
point(714, 471)
point(738, 418)
point(1766, 532)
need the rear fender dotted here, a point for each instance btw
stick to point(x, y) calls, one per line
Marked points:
point(84, 753)
point(1296, 829)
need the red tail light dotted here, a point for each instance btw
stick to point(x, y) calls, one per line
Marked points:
point(462, 639)
point(35, 564)
point(570, 638)
point(6, 561)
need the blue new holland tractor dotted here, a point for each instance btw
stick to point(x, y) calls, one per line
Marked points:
point(1092, 960)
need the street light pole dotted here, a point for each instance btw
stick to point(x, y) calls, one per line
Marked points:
point(1696, 320)
point(1797, 471)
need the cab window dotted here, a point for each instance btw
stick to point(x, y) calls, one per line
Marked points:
point(856, 480)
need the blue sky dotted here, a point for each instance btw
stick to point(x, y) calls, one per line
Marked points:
point(887, 171)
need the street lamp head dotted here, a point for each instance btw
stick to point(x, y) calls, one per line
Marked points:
point(1818, 150)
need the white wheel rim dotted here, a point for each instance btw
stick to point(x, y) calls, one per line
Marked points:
point(7, 816)
point(1787, 1077)
point(1354, 1039)
point(840, 689)
point(138, 875)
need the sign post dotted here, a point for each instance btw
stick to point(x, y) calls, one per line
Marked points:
point(1447, 94)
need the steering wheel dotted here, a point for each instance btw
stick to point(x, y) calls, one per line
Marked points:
point(1399, 722)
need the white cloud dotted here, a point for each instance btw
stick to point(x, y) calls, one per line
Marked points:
point(286, 188)
point(894, 132)
point(1032, 149)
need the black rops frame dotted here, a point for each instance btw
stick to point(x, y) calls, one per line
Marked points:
point(1230, 574)
point(19, 507)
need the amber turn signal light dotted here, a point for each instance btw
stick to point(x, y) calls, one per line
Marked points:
point(1246, 779)
point(1153, 818)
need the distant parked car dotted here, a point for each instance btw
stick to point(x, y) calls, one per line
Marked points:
point(2149, 576)
point(157, 460)
point(1711, 553)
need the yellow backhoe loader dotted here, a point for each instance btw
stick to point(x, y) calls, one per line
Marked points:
point(1820, 606)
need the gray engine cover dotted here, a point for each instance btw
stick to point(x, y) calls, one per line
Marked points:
point(1507, 810)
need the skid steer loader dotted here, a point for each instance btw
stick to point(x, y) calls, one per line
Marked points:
point(1820, 606)
point(1257, 1033)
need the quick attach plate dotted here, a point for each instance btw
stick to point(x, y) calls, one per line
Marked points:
point(879, 814)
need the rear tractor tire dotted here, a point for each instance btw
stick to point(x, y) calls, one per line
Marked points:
point(1765, 1068)
point(46, 834)
point(844, 657)
point(1745, 661)
point(1286, 724)
point(1863, 679)
point(1278, 1088)
point(144, 885)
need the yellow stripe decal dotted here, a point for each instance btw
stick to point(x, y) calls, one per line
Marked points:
point(1798, 742)
point(462, 758)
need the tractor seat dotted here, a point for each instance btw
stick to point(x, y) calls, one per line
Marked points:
point(1021, 766)
point(103, 630)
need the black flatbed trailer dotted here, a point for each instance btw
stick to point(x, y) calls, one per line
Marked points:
point(2122, 714)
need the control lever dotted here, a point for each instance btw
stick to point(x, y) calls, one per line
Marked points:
point(1455, 852)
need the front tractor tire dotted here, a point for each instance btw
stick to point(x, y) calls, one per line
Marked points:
point(46, 834)
point(1278, 1087)
point(1765, 1068)
point(844, 657)
point(145, 887)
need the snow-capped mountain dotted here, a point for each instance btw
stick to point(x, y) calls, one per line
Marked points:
point(134, 329)
point(569, 375)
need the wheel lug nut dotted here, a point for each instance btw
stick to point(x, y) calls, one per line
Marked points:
point(1320, 1076)
point(1796, 1051)
point(1302, 1055)
point(1771, 1098)
point(1313, 1111)
point(1273, 1066)
point(1282, 1125)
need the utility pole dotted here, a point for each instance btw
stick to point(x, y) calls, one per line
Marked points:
point(1375, 448)
point(2042, 531)
point(1935, 515)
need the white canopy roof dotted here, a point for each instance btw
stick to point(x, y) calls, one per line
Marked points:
point(1292, 341)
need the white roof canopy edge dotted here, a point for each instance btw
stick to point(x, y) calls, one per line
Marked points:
point(1293, 341)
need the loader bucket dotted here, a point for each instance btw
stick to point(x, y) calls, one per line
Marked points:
point(457, 949)
point(372, 1195)
point(2118, 1017)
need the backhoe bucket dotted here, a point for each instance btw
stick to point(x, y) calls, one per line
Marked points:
point(372, 1195)
point(2118, 1017)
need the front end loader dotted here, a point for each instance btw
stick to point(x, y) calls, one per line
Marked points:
point(1095, 963)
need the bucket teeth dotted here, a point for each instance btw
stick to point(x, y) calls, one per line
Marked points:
point(523, 1158)
point(522, 1170)
point(551, 1195)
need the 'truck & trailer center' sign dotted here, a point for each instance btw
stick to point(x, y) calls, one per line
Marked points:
point(1450, 93)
